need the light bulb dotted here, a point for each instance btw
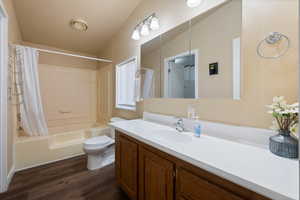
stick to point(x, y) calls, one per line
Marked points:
point(154, 25)
point(145, 30)
point(136, 34)
point(193, 3)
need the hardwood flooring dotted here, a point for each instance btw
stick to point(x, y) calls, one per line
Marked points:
point(65, 180)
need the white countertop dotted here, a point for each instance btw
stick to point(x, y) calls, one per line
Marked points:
point(251, 167)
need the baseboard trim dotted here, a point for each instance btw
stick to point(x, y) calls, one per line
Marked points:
point(49, 162)
point(10, 175)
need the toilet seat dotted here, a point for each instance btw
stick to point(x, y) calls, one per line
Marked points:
point(98, 142)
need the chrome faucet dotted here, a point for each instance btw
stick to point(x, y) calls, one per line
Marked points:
point(179, 125)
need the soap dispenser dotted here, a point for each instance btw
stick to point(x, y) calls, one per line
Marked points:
point(197, 127)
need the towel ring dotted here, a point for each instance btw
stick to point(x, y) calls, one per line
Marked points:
point(273, 38)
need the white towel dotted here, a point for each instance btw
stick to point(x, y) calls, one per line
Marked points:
point(148, 84)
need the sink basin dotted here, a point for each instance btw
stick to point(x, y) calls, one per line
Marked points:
point(172, 136)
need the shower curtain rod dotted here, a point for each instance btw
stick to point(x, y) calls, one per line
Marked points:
point(67, 54)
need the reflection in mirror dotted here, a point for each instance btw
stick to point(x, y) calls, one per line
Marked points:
point(197, 59)
point(180, 76)
point(150, 73)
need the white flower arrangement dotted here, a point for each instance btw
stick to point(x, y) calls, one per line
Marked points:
point(285, 115)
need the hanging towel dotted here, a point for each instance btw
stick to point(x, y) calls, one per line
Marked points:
point(148, 84)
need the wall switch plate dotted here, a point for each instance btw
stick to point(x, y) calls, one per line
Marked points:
point(213, 69)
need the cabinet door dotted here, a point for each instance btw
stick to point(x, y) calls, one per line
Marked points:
point(192, 187)
point(126, 165)
point(156, 177)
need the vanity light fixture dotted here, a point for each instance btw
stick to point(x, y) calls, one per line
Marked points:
point(136, 34)
point(154, 25)
point(143, 28)
point(193, 3)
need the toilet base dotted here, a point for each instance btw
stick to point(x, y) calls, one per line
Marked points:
point(97, 161)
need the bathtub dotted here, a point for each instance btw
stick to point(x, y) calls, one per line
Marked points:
point(34, 151)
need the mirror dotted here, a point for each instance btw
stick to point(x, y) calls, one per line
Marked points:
point(197, 59)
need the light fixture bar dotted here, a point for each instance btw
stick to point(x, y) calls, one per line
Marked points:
point(147, 18)
point(143, 28)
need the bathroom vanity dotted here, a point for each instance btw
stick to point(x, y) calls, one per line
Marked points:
point(153, 162)
point(145, 172)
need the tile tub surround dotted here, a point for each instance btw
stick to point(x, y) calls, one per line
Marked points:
point(251, 167)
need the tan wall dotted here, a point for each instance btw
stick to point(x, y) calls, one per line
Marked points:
point(69, 85)
point(105, 92)
point(263, 78)
point(14, 33)
point(212, 36)
point(14, 36)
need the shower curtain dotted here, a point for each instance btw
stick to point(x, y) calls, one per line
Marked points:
point(27, 80)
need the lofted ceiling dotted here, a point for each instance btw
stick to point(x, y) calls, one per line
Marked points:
point(47, 22)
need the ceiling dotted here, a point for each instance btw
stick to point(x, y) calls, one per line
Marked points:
point(46, 22)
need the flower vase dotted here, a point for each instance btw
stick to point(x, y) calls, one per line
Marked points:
point(284, 145)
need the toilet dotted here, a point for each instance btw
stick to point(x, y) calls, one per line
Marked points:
point(100, 150)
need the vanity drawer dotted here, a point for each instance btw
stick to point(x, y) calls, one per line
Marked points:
point(193, 187)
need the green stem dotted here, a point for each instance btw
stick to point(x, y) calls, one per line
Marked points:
point(278, 122)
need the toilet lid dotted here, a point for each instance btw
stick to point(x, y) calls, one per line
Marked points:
point(97, 141)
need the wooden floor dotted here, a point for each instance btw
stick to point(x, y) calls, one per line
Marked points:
point(64, 180)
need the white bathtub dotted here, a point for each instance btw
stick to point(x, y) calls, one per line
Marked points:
point(35, 151)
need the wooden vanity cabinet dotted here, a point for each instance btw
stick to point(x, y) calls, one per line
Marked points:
point(146, 173)
point(193, 183)
point(156, 176)
point(127, 165)
point(193, 187)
